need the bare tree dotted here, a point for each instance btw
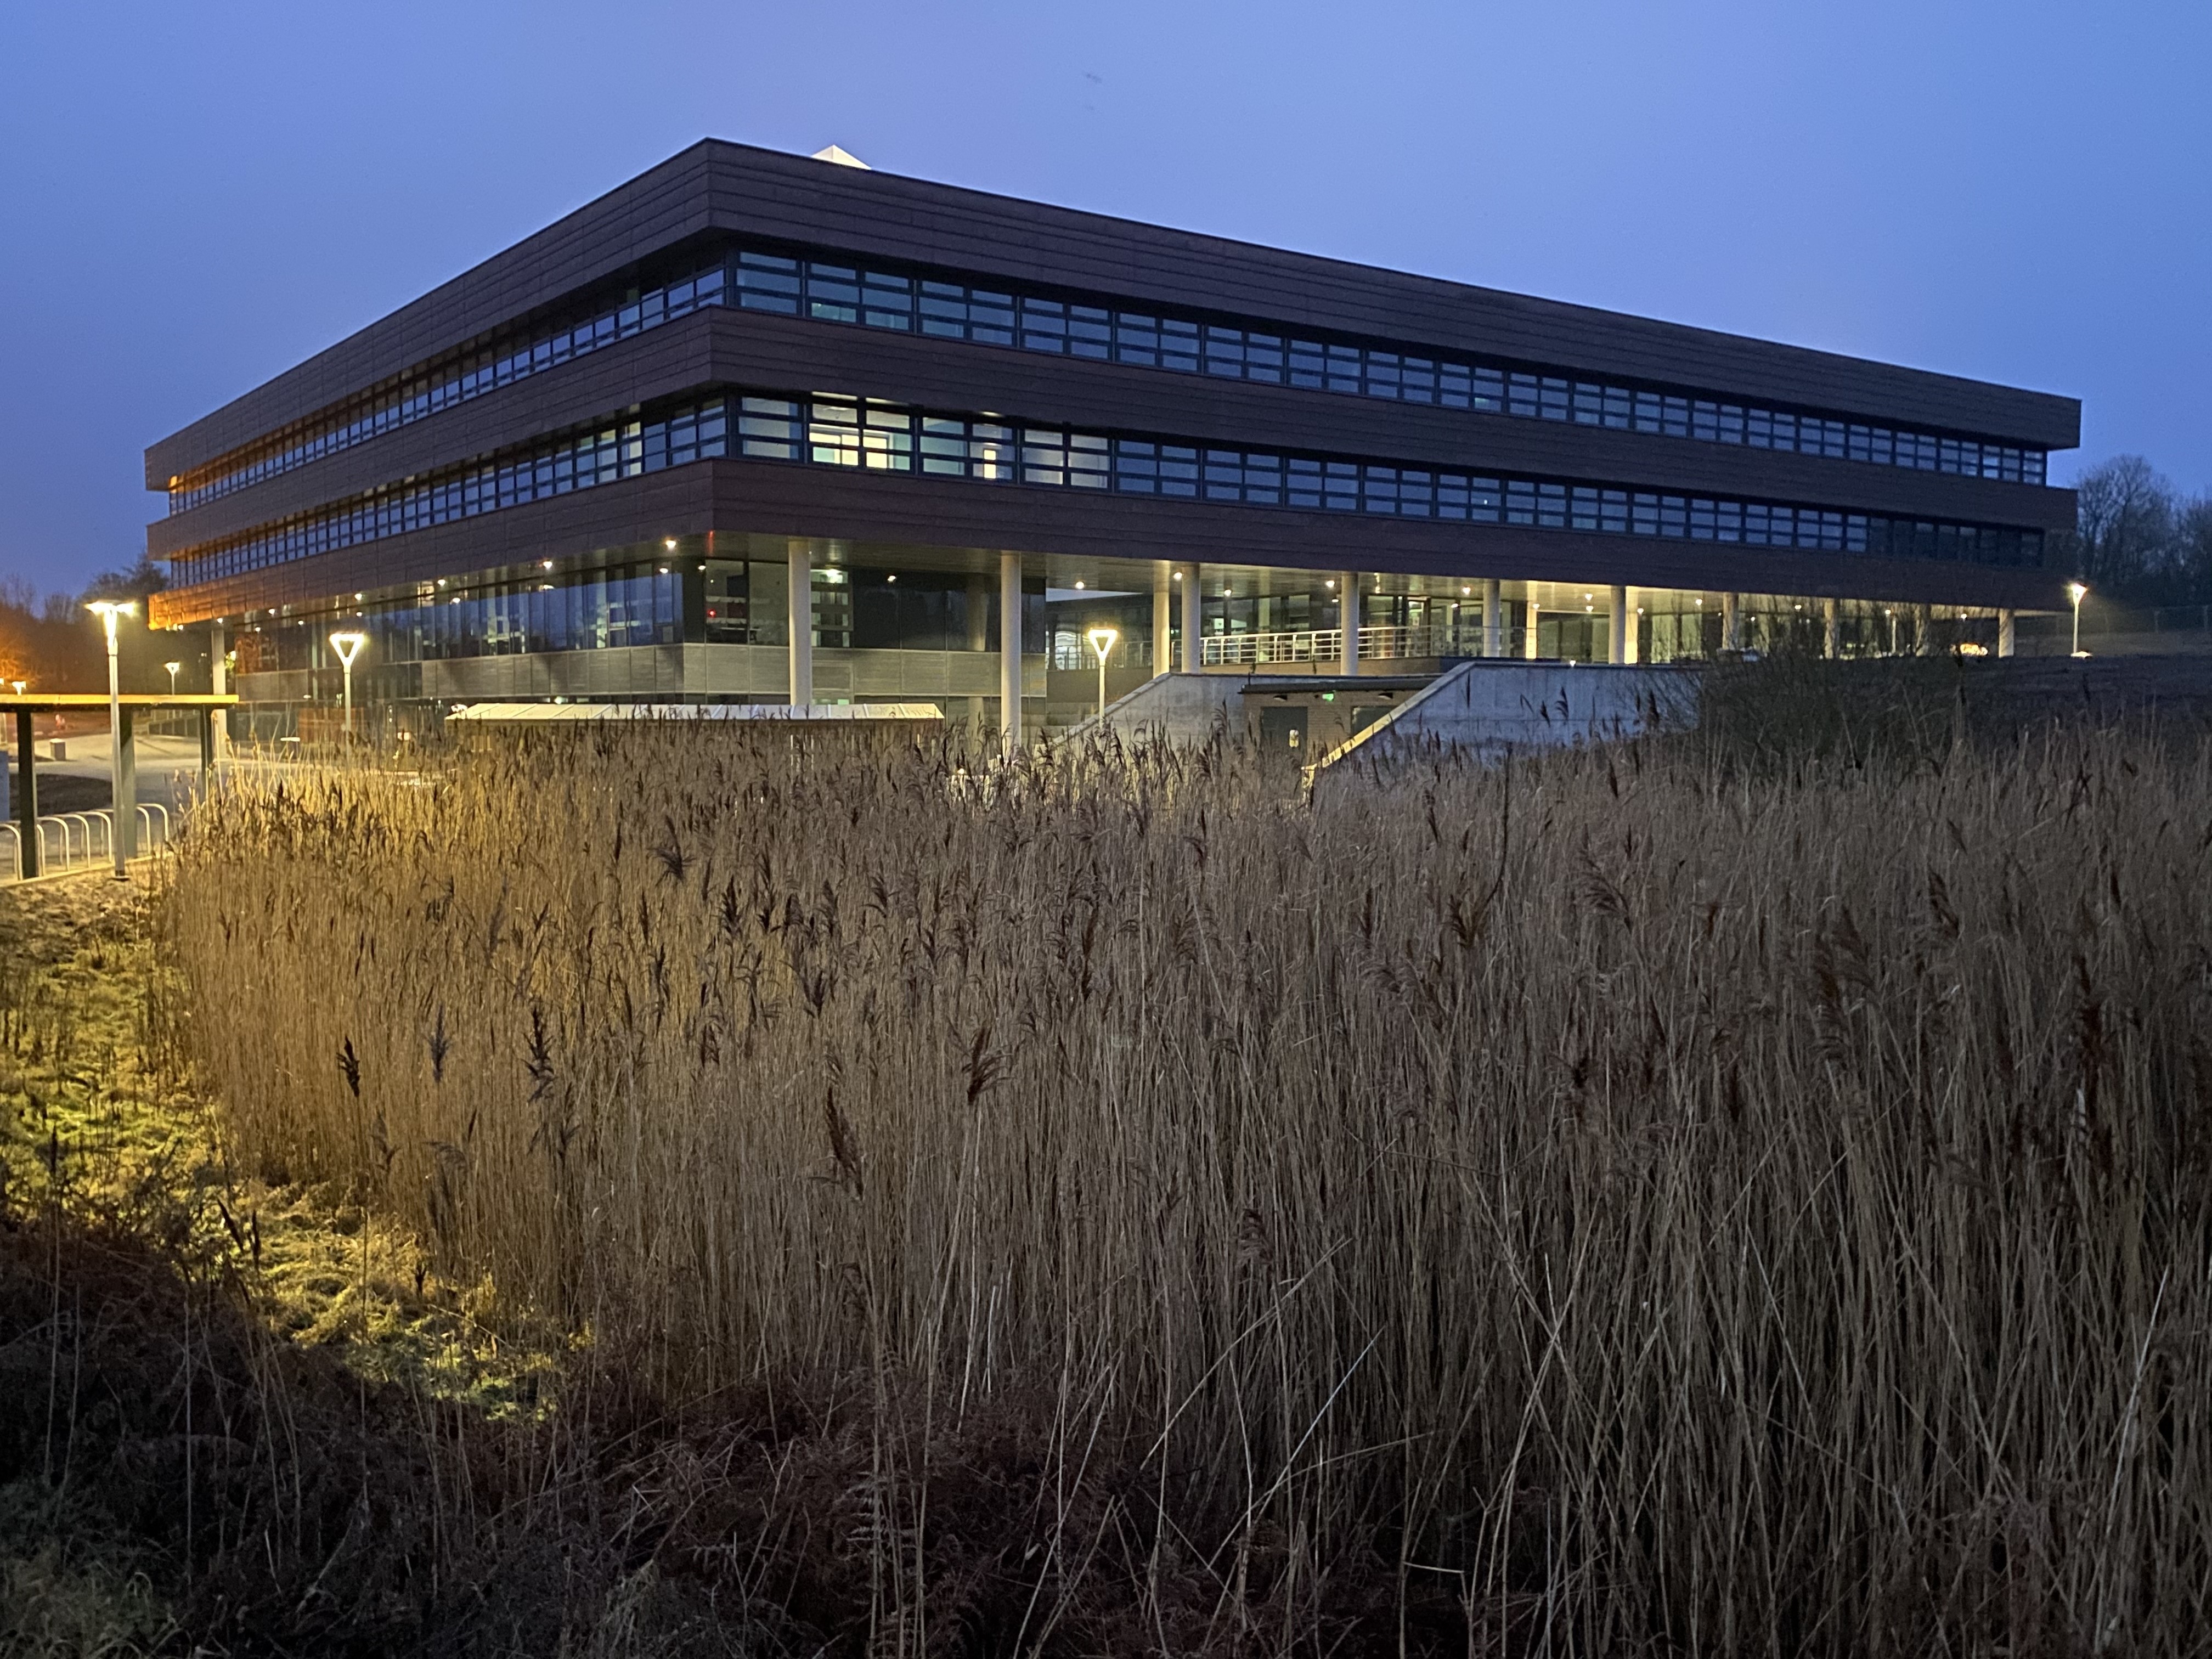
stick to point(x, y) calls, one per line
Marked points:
point(2123, 542)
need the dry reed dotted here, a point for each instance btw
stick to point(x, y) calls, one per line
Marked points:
point(1647, 1203)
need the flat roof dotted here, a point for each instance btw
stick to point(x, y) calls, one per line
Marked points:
point(566, 714)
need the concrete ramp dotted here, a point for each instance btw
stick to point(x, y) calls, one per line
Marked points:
point(1487, 707)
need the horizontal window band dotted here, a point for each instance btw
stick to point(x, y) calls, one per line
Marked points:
point(832, 288)
point(867, 436)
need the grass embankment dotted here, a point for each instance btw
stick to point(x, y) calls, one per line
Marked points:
point(205, 1377)
point(1744, 1194)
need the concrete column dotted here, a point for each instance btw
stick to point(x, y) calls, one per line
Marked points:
point(1010, 650)
point(1194, 617)
point(1493, 632)
point(1162, 618)
point(1831, 630)
point(219, 683)
point(1923, 642)
point(123, 806)
point(1528, 645)
point(1616, 647)
point(800, 582)
point(27, 794)
point(1632, 647)
point(1347, 586)
point(2005, 640)
point(1731, 622)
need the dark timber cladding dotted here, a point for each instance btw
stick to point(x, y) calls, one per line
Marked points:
point(715, 196)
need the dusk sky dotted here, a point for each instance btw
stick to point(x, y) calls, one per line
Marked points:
point(196, 197)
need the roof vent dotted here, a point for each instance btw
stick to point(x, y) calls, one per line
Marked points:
point(843, 158)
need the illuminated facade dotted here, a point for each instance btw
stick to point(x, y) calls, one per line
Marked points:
point(755, 426)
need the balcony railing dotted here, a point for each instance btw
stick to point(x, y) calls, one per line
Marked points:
point(1377, 643)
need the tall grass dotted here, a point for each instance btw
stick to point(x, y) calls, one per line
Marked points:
point(1630, 1202)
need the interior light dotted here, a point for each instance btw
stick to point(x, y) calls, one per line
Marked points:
point(894, 577)
point(548, 564)
point(1330, 584)
point(664, 571)
point(1464, 591)
point(1078, 587)
point(669, 544)
point(1178, 575)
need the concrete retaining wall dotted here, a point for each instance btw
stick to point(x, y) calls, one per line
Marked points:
point(1487, 707)
point(1185, 707)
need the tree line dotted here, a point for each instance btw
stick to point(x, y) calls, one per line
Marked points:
point(51, 644)
point(2138, 538)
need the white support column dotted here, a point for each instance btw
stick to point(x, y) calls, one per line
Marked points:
point(1831, 629)
point(1923, 633)
point(2005, 633)
point(219, 683)
point(1633, 647)
point(1347, 587)
point(1194, 618)
point(1493, 633)
point(800, 582)
point(1010, 650)
point(1162, 618)
point(1616, 646)
point(1528, 644)
point(1731, 622)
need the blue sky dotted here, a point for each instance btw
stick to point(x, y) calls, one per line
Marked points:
point(194, 198)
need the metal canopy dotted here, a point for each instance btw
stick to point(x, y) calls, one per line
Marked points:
point(123, 827)
point(45, 702)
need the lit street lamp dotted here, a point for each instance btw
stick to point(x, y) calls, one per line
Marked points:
point(1101, 641)
point(173, 667)
point(347, 646)
point(2077, 591)
point(107, 611)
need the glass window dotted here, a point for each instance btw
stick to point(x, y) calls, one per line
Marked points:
point(833, 294)
point(944, 309)
point(1044, 326)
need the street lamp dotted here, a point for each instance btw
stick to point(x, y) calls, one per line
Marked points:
point(173, 667)
point(2077, 591)
point(1101, 641)
point(347, 646)
point(107, 611)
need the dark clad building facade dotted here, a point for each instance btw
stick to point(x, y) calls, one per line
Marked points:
point(744, 370)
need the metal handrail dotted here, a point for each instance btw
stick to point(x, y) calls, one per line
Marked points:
point(1377, 641)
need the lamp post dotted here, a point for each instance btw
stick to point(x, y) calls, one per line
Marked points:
point(108, 611)
point(173, 667)
point(1101, 642)
point(347, 646)
point(2077, 591)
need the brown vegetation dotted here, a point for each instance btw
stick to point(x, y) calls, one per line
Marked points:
point(1639, 1200)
